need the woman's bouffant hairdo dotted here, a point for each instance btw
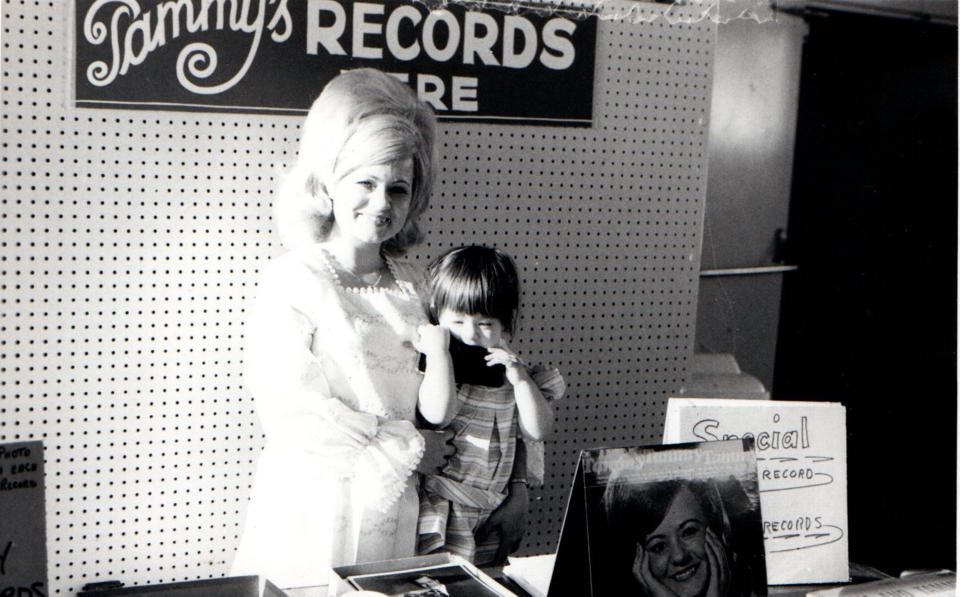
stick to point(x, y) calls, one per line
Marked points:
point(639, 508)
point(362, 117)
point(475, 280)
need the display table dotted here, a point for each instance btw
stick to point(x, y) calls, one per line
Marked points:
point(858, 572)
point(307, 592)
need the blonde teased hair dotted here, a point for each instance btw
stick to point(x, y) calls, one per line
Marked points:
point(361, 117)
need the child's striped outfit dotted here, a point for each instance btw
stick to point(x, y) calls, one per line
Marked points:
point(455, 503)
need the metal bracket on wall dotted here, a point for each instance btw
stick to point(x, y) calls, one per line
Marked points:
point(747, 271)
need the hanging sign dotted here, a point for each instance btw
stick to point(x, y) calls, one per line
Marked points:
point(485, 62)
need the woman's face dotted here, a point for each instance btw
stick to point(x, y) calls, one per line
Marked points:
point(677, 547)
point(371, 203)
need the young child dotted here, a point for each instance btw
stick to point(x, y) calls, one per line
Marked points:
point(475, 385)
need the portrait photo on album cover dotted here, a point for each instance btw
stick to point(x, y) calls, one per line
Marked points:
point(682, 526)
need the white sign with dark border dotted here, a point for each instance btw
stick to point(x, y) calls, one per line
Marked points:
point(487, 62)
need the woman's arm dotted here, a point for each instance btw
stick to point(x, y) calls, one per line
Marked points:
point(438, 391)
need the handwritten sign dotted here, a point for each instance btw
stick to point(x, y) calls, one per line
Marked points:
point(23, 546)
point(487, 61)
point(802, 470)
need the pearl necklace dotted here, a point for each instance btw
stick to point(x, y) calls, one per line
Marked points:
point(362, 280)
point(358, 277)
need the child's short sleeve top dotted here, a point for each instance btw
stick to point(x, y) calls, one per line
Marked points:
point(486, 430)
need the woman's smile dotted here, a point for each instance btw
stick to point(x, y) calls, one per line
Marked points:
point(686, 573)
point(380, 219)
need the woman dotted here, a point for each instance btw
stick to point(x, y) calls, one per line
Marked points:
point(330, 357)
point(675, 538)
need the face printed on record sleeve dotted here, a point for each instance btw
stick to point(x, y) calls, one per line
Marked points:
point(677, 547)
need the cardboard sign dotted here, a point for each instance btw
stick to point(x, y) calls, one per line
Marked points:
point(23, 545)
point(683, 518)
point(802, 468)
point(499, 62)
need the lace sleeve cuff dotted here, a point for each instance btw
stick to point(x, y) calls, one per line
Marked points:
point(382, 469)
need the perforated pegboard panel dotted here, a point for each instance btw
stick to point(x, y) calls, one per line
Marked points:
point(130, 242)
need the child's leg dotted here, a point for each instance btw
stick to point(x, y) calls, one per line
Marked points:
point(461, 525)
point(447, 526)
point(432, 525)
point(485, 552)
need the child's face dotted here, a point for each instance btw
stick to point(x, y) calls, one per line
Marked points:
point(472, 330)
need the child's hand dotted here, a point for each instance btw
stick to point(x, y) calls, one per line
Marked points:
point(434, 340)
point(502, 355)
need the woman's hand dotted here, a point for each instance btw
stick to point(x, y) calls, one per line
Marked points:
point(509, 521)
point(434, 340)
point(437, 448)
point(719, 566)
point(644, 576)
point(503, 355)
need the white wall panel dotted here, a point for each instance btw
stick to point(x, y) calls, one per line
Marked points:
point(130, 243)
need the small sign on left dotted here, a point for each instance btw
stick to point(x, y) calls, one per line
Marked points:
point(23, 546)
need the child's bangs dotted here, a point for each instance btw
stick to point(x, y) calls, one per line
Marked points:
point(467, 295)
point(475, 280)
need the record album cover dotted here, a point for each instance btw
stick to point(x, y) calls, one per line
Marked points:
point(664, 521)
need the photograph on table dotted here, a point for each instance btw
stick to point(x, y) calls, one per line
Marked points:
point(456, 579)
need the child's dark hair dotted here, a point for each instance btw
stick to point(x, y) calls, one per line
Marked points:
point(475, 280)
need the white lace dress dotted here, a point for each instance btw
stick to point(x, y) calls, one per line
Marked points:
point(334, 377)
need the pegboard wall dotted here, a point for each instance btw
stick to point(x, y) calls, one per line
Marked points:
point(130, 242)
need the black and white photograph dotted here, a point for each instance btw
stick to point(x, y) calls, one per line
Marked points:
point(452, 580)
point(288, 286)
